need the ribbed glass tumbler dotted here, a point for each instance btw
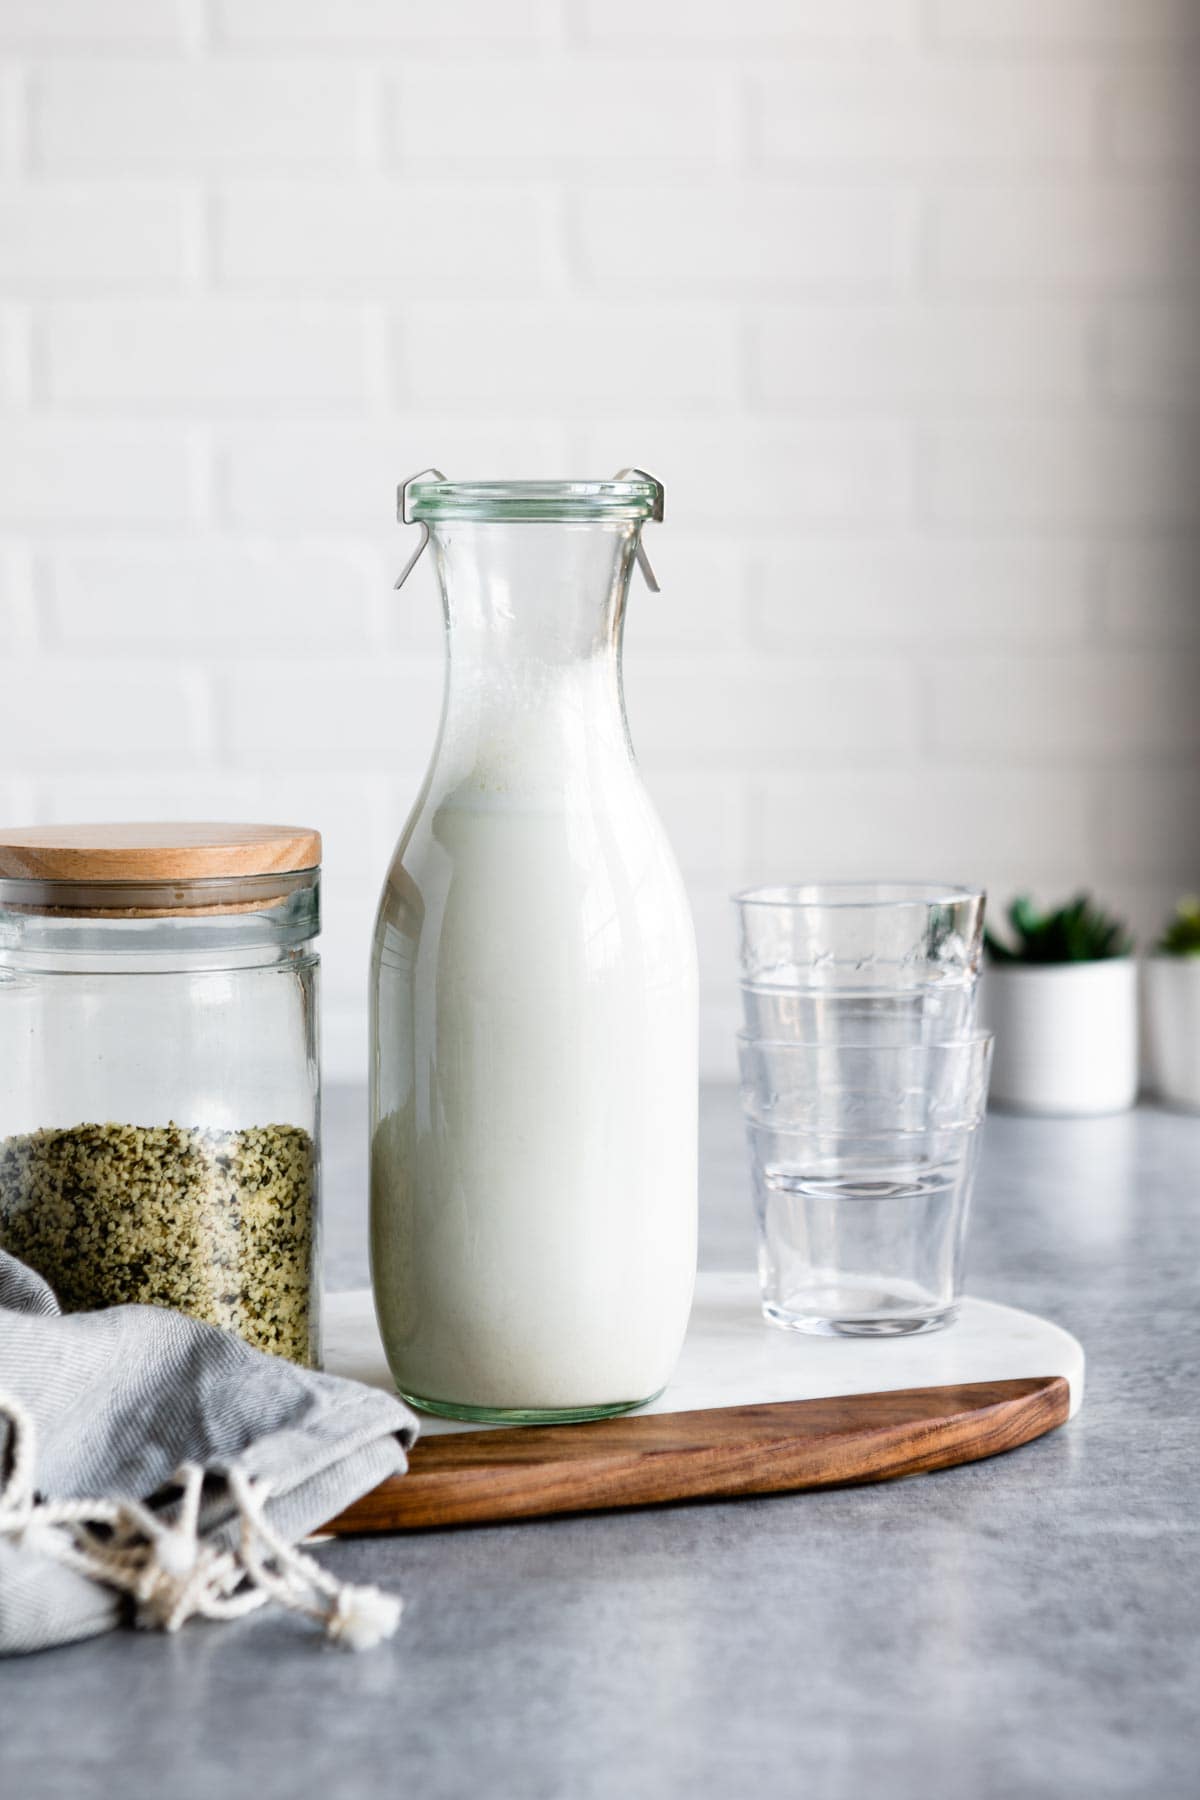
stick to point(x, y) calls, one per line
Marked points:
point(864, 1083)
point(904, 949)
point(863, 1162)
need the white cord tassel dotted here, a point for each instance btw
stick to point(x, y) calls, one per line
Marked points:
point(167, 1568)
point(358, 1617)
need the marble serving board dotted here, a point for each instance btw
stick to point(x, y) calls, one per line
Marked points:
point(751, 1409)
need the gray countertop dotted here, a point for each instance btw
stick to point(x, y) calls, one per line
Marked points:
point(1022, 1627)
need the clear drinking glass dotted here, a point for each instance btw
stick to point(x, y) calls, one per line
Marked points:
point(534, 1010)
point(863, 1162)
point(860, 937)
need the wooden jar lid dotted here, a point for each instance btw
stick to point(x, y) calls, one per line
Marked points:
point(155, 852)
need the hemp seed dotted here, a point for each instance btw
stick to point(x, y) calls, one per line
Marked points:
point(216, 1223)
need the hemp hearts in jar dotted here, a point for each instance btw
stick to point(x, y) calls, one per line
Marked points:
point(218, 1224)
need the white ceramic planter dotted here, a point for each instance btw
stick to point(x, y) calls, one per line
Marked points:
point(1066, 1035)
point(1172, 1024)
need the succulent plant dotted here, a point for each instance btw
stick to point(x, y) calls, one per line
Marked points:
point(1182, 936)
point(1077, 932)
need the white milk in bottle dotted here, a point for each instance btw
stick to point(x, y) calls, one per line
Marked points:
point(534, 1060)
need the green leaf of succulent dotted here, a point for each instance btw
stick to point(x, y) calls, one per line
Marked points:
point(1182, 935)
point(1078, 931)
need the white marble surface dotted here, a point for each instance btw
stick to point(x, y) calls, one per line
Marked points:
point(732, 1357)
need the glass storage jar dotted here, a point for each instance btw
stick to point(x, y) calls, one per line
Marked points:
point(159, 1101)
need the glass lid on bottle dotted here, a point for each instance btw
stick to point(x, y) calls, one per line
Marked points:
point(631, 495)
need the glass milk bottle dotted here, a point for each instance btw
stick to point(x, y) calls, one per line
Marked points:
point(534, 1028)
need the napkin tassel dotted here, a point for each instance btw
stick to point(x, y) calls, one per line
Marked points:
point(167, 1568)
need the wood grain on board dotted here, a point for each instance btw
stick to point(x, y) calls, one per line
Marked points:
point(532, 1471)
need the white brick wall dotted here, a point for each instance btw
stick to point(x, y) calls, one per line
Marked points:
point(745, 233)
point(1137, 234)
point(899, 295)
point(212, 356)
point(674, 357)
point(857, 115)
point(384, 238)
point(577, 111)
point(88, 237)
point(59, 475)
point(127, 118)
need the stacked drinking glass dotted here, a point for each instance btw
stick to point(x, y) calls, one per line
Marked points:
point(864, 1084)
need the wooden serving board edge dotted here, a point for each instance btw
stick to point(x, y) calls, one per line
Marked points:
point(537, 1471)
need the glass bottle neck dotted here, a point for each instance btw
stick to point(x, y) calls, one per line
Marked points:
point(534, 617)
point(544, 592)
